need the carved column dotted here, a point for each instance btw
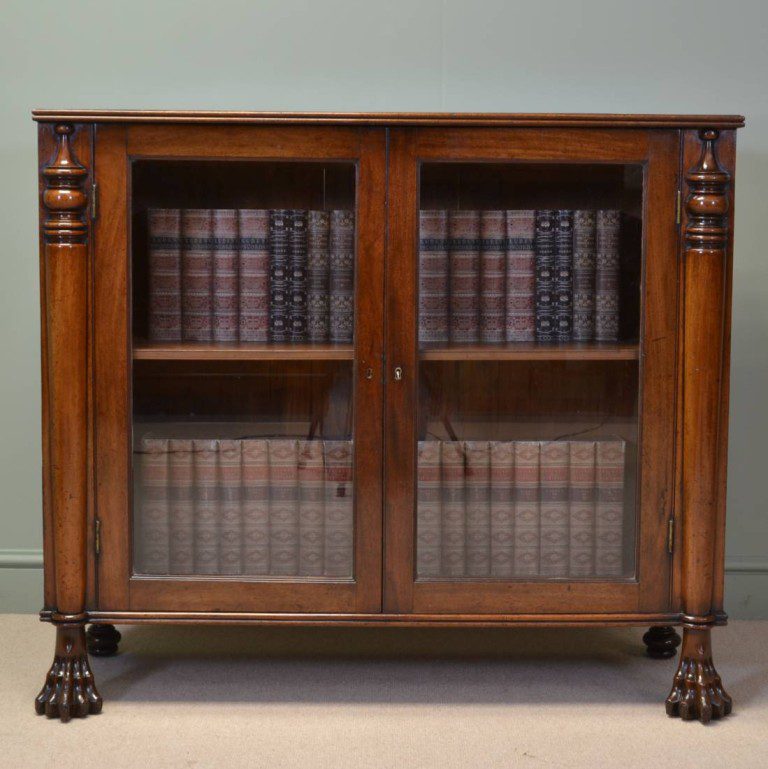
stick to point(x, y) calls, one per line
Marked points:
point(697, 691)
point(69, 689)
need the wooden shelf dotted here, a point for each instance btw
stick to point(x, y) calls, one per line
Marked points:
point(214, 351)
point(532, 351)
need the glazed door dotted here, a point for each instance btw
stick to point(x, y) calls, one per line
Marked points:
point(238, 303)
point(531, 342)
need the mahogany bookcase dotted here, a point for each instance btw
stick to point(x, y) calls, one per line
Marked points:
point(394, 393)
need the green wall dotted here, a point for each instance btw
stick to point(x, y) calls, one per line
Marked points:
point(494, 55)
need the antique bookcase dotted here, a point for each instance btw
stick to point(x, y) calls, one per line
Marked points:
point(370, 369)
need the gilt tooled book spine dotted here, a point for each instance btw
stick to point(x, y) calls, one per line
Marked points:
point(206, 506)
point(342, 277)
point(492, 276)
point(545, 276)
point(563, 293)
point(255, 459)
point(502, 508)
point(527, 517)
point(478, 508)
point(154, 528)
point(254, 274)
point(584, 262)
point(338, 490)
point(554, 509)
point(197, 275)
point(230, 507)
point(283, 507)
point(433, 276)
point(464, 243)
point(521, 276)
point(164, 274)
point(453, 529)
point(607, 276)
point(311, 508)
point(581, 508)
point(297, 279)
point(318, 277)
point(280, 221)
point(225, 276)
point(181, 474)
point(609, 509)
point(428, 500)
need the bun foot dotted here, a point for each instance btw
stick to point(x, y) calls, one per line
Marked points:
point(69, 690)
point(661, 642)
point(697, 691)
point(102, 640)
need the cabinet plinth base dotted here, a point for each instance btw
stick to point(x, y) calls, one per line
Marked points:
point(102, 640)
point(697, 691)
point(69, 690)
point(661, 642)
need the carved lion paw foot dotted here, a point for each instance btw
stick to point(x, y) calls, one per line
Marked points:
point(69, 690)
point(697, 691)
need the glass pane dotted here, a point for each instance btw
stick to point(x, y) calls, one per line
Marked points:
point(529, 330)
point(243, 320)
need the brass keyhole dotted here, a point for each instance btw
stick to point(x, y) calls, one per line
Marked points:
point(398, 373)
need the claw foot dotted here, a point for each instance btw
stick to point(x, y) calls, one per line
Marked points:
point(69, 690)
point(697, 691)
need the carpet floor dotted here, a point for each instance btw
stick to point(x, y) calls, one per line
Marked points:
point(355, 698)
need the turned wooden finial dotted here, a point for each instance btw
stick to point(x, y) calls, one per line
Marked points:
point(64, 196)
point(707, 201)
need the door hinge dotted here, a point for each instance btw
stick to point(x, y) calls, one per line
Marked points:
point(671, 535)
point(679, 207)
point(94, 201)
point(97, 536)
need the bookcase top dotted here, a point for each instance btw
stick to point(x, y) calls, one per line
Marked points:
point(534, 120)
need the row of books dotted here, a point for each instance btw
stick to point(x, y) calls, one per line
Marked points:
point(520, 509)
point(251, 275)
point(266, 507)
point(518, 276)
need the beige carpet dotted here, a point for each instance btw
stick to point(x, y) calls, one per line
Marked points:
point(231, 697)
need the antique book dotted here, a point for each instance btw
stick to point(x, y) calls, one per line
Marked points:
point(181, 482)
point(225, 276)
point(253, 260)
point(581, 508)
point(255, 473)
point(318, 277)
point(554, 509)
point(492, 276)
point(297, 279)
point(584, 263)
point(206, 506)
point(607, 276)
point(280, 221)
point(478, 508)
point(342, 277)
point(339, 509)
point(283, 507)
point(433, 276)
point(311, 508)
point(609, 509)
point(563, 294)
point(526, 557)
point(520, 276)
point(545, 276)
point(453, 528)
point(428, 509)
point(164, 225)
point(154, 530)
point(464, 244)
point(502, 508)
point(197, 275)
point(230, 507)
